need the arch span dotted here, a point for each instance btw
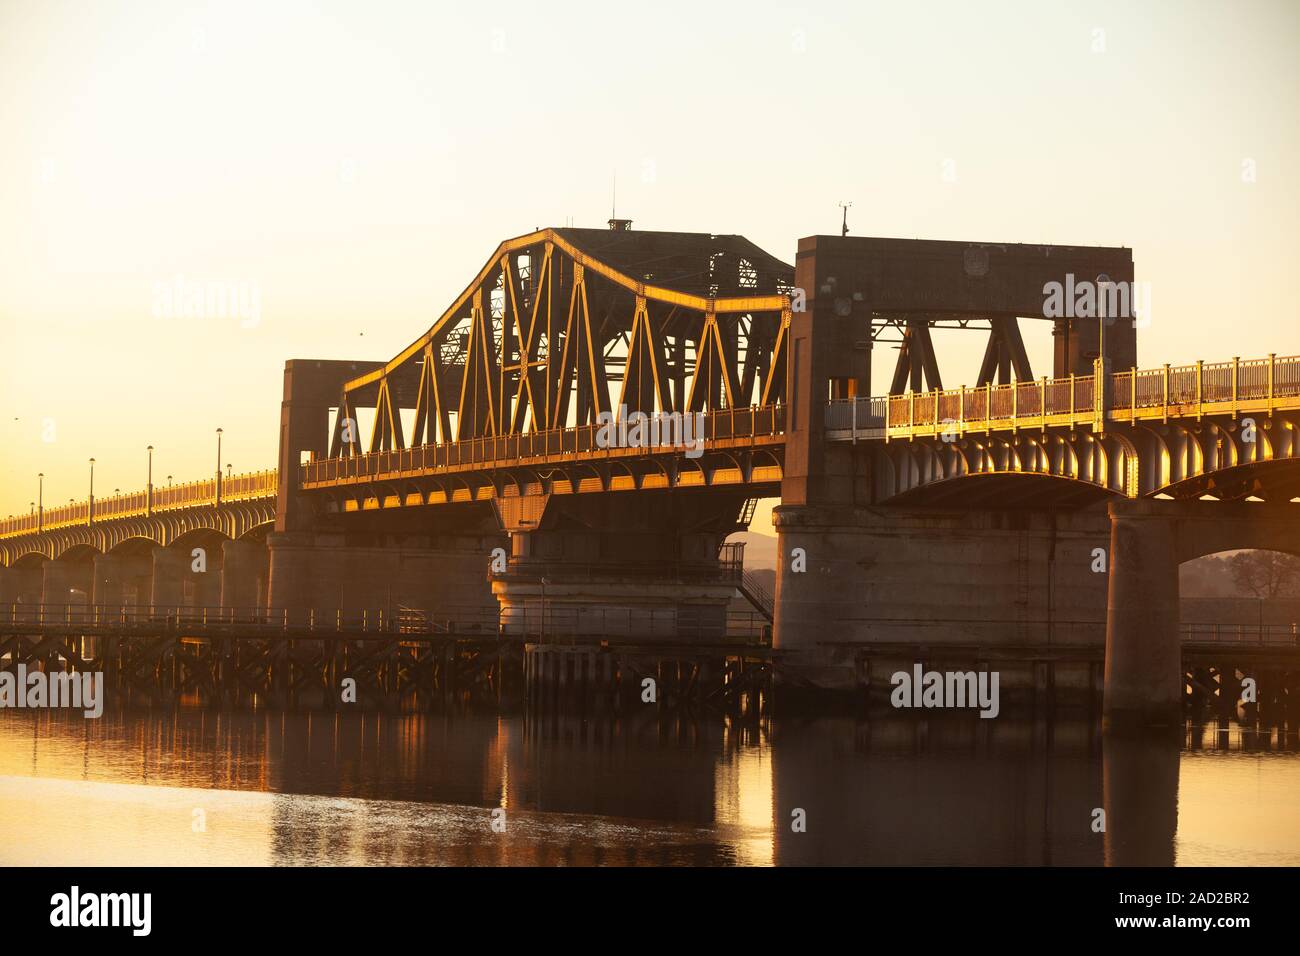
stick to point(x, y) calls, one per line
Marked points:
point(1150, 539)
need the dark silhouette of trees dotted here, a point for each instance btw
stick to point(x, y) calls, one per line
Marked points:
point(1266, 574)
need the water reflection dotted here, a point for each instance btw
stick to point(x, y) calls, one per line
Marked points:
point(375, 789)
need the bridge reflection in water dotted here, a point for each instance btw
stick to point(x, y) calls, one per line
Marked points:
point(368, 788)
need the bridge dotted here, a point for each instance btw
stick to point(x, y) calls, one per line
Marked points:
point(576, 436)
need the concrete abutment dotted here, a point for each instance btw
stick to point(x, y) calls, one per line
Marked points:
point(864, 591)
point(619, 567)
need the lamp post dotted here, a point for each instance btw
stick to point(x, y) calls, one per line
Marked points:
point(148, 488)
point(1103, 282)
point(1101, 373)
point(90, 510)
point(40, 501)
point(218, 466)
point(542, 639)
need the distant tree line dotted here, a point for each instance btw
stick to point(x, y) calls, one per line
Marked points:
point(1250, 574)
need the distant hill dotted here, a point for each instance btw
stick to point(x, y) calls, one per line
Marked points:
point(760, 549)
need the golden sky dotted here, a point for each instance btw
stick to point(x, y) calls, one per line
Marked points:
point(348, 166)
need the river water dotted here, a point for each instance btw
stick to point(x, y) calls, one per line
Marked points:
point(204, 787)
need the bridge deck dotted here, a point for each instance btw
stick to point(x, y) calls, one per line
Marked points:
point(725, 431)
point(1192, 392)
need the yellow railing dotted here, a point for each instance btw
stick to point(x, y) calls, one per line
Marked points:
point(1252, 385)
point(257, 484)
point(724, 425)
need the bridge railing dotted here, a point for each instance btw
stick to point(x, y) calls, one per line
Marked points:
point(258, 484)
point(1172, 390)
point(537, 620)
point(724, 424)
point(1287, 635)
point(136, 616)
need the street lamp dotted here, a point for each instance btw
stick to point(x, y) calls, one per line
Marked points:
point(542, 637)
point(40, 501)
point(227, 470)
point(90, 510)
point(218, 466)
point(1103, 286)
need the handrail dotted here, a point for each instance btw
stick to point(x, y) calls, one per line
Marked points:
point(244, 487)
point(1128, 396)
point(551, 621)
point(752, 422)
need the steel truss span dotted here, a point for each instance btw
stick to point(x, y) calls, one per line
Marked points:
point(562, 325)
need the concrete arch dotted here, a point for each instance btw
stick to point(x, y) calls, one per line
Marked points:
point(74, 547)
point(134, 544)
point(1007, 490)
point(1149, 541)
point(904, 470)
point(1276, 480)
point(258, 532)
point(1240, 526)
point(200, 538)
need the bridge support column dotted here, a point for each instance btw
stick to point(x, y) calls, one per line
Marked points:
point(20, 592)
point(169, 569)
point(1144, 675)
point(109, 579)
point(65, 583)
point(121, 580)
point(651, 573)
point(311, 387)
point(432, 575)
point(855, 583)
point(244, 568)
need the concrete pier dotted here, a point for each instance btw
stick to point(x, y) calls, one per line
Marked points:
point(1144, 678)
point(66, 586)
point(640, 568)
point(332, 571)
point(854, 578)
point(245, 575)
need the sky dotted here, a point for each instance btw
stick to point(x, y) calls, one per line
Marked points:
point(343, 169)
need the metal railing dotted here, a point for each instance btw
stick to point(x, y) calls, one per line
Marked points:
point(540, 620)
point(175, 616)
point(536, 619)
point(257, 484)
point(1168, 391)
point(681, 572)
point(758, 593)
point(1277, 635)
point(726, 424)
point(567, 623)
